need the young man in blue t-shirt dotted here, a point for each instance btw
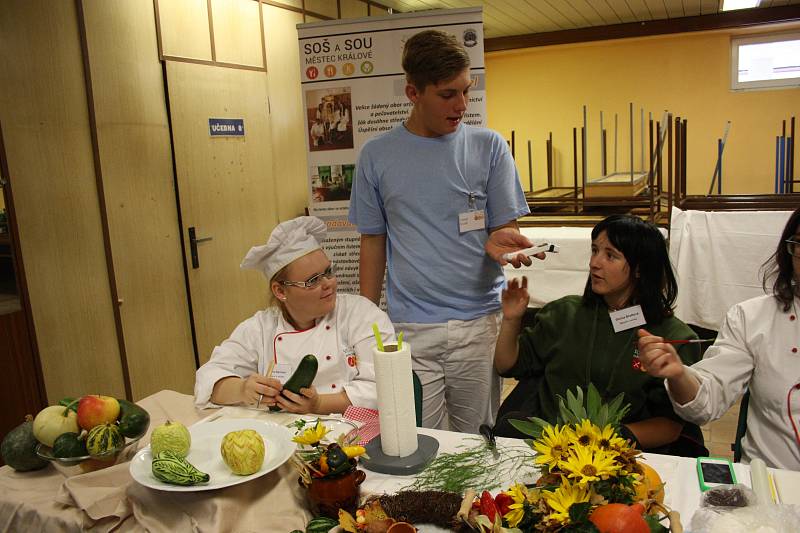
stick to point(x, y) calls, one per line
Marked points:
point(436, 201)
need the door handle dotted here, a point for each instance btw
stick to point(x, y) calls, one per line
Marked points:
point(193, 240)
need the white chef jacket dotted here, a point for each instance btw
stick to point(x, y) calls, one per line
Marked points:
point(758, 347)
point(342, 341)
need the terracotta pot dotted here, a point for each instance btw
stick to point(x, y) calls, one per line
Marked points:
point(329, 494)
point(401, 527)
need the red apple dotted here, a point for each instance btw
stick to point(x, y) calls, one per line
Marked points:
point(94, 410)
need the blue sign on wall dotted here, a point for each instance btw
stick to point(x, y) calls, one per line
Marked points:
point(226, 127)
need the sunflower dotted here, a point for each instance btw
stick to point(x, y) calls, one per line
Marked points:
point(552, 446)
point(608, 439)
point(561, 499)
point(586, 433)
point(312, 436)
point(520, 494)
point(586, 464)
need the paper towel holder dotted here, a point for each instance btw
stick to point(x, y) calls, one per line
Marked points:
point(378, 461)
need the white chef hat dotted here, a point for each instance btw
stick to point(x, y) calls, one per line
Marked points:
point(289, 240)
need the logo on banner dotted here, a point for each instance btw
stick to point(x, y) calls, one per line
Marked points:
point(470, 37)
point(330, 71)
point(312, 73)
point(367, 67)
point(348, 69)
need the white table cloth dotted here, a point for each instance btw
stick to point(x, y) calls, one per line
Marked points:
point(717, 256)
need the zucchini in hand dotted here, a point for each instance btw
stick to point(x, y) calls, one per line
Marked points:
point(174, 469)
point(302, 378)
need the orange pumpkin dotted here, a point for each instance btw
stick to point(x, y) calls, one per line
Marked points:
point(651, 486)
point(619, 518)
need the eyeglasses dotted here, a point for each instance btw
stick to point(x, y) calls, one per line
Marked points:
point(314, 280)
point(793, 247)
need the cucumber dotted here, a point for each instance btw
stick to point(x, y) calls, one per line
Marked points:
point(174, 469)
point(302, 378)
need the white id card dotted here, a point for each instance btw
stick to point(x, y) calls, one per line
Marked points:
point(471, 220)
point(282, 372)
point(627, 318)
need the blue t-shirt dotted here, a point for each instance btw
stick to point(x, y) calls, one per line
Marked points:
point(412, 189)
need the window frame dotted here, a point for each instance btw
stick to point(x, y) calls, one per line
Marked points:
point(736, 42)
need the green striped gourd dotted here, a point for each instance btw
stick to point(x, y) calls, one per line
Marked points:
point(321, 524)
point(104, 439)
point(170, 467)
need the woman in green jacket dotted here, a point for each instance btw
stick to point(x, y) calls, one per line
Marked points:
point(575, 341)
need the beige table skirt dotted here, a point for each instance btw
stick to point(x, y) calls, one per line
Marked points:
point(66, 499)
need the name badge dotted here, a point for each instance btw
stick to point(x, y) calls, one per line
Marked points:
point(627, 318)
point(471, 220)
point(282, 372)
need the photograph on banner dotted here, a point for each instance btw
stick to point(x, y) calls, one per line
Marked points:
point(328, 113)
point(331, 183)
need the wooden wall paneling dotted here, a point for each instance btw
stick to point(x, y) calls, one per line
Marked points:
point(133, 137)
point(288, 118)
point(45, 119)
point(327, 8)
point(237, 32)
point(226, 191)
point(351, 9)
point(184, 26)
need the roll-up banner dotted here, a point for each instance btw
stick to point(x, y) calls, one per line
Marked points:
point(353, 88)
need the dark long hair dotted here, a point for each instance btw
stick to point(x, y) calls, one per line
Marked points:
point(779, 266)
point(646, 252)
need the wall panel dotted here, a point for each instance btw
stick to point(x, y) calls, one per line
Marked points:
point(184, 28)
point(134, 142)
point(237, 32)
point(45, 121)
point(287, 118)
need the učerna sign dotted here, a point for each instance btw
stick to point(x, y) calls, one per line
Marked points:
point(226, 127)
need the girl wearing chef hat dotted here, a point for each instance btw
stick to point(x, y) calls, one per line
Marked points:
point(306, 316)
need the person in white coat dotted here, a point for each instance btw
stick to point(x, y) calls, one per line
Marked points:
point(758, 348)
point(306, 316)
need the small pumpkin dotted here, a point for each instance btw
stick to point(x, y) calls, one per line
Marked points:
point(19, 448)
point(69, 445)
point(104, 439)
point(133, 420)
point(53, 421)
point(650, 487)
point(620, 518)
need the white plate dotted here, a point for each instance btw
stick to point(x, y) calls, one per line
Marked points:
point(337, 426)
point(205, 454)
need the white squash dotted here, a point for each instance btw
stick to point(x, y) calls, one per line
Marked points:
point(53, 421)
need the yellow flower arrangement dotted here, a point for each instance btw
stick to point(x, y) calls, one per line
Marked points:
point(584, 464)
point(312, 436)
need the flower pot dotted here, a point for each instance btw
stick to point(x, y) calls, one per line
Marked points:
point(329, 494)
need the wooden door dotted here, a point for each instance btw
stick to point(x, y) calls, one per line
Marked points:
point(226, 191)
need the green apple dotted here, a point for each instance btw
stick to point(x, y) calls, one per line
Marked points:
point(172, 436)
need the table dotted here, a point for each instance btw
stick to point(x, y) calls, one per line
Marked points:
point(63, 499)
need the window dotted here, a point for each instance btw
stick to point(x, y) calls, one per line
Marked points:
point(765, 61)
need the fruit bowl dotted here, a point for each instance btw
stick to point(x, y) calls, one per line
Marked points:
point(107, 458)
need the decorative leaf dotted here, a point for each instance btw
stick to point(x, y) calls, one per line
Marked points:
point(654, 525)
point(579, 512)
point(593, 402)
point(527, 427)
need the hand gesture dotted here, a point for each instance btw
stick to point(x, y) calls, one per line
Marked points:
point(509, 240)
point(258, 389)
point(305, 402)
point(515, 298)
point(659, 359)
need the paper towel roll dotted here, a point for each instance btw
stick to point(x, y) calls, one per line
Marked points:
point(396, 400)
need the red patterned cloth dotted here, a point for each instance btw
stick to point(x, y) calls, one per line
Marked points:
point(371, 427)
